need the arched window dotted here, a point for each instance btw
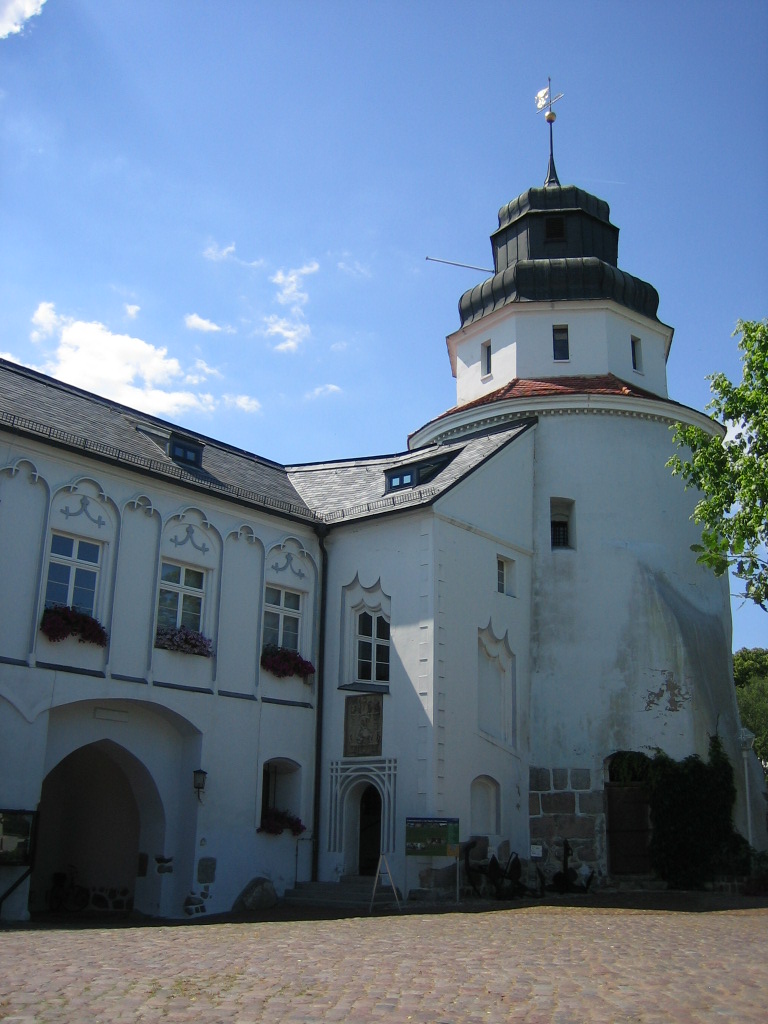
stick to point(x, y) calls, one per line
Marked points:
point(485, 806)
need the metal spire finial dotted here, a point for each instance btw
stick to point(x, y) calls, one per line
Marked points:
point(544, 101)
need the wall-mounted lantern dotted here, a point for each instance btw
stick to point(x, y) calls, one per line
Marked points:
point(198, 781)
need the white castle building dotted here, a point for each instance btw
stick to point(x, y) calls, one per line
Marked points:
point(490, 615)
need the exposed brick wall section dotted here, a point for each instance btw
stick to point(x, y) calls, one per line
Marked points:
point(558, 803)
point(539, 780)
point(592, 803)
point(581, 778)
point(560, 778)
point(563, 805)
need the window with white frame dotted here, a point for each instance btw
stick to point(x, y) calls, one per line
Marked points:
point(73, 572)
point(637, 354)
point(560, 344)
point(282, 618)
point(372, 646)
point(486, 359)
point(180, 601)
point(505, 576)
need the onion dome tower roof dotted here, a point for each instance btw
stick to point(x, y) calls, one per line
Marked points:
point(556, 242)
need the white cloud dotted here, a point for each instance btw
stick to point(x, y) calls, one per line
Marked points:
point(242, 402)
point(117, 366)
point(323, 390)
point(218, 255)
point(338, 346)
point(13, 14)
point(213, 252)
point(131, 311)
point(293, 332)
point(289, 282)
point(200, 372)
point(353, 268)
point(199, 323)
point(292, 328)
point(45, 320)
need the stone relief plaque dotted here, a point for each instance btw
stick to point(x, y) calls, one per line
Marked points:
point(363, 717)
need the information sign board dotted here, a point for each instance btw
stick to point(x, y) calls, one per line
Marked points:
point(432, 837)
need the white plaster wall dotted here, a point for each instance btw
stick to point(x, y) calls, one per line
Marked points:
point(229, 737)
point(630, 638)
point(396, 552)
point(521, 343)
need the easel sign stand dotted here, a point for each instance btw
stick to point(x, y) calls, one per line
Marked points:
point(380, 873)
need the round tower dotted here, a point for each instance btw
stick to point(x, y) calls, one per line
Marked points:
point(630, 639)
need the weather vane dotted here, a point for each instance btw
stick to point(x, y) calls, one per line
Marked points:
point(544, 101)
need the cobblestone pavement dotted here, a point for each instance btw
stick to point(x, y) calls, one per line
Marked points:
point(543, 964)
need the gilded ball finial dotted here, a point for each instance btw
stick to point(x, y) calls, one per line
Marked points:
point(550, 117)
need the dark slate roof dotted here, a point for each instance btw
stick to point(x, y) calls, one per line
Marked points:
point(41, 407)
point(556, 243)
point(582, 277)
point(37, 406)
point(355, 489)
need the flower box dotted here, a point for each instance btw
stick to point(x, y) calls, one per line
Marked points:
point(282, 662)
point(186, 641)
point(275, 822)
point(61, 621)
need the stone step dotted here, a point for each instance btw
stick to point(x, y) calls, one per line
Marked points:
point(352, 892)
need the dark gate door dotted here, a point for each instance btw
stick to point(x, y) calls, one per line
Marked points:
point(629, 828)
point(370, 831)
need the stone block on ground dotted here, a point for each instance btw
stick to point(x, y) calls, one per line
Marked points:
point(259, 894)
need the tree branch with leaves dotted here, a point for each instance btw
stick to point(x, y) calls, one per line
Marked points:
point(731, 472)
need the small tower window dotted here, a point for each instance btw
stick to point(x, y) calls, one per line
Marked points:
point(485, 359)
point(637, 355)
point(560, 347)
point(561, 523)
point(554, 229)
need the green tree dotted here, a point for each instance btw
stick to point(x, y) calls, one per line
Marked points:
point(750, 663)
point(750, 673)
point(753, 708)
point(732, 471)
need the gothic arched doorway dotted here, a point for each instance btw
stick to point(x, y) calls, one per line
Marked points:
point(369, 847)
point(90, 826)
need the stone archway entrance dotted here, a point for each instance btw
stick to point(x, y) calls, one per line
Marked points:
point(369, 846)
point(93, 811)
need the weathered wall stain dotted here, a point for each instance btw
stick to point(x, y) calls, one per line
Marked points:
point(675, 693)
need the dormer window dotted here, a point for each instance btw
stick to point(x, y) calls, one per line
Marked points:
point(415, 474)
point(185, 452)
point(400, 478)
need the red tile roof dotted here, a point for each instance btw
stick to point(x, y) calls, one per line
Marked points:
point(544, 387)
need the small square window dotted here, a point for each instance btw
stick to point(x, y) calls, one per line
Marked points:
point(560, 348)
point(185, 452)
point(637, 354)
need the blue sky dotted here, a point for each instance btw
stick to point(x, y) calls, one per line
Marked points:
point(220, 211)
